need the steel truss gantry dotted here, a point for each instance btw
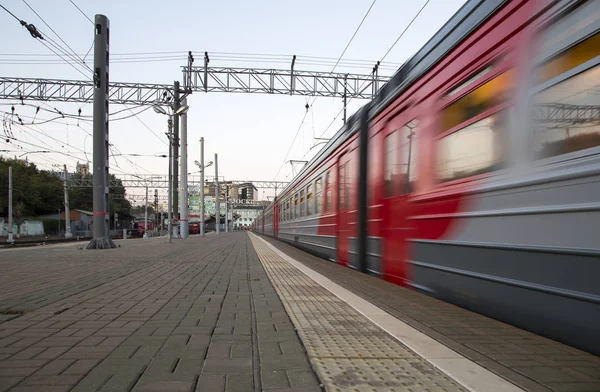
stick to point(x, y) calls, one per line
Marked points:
point(207, 79)
point(560, 113)
point(81, 91)
point(162, 181)
point(282, 81)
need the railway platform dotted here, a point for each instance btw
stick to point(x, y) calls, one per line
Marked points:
point(239, 312)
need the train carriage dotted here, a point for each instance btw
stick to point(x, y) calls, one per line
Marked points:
point(474, 175)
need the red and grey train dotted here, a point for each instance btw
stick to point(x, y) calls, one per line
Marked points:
point(474, 174)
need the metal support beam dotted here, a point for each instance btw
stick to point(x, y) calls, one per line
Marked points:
point(101, 222)
point(281, 81)
point(162, 181)
point(83, 91)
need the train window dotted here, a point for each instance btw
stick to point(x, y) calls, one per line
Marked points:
point(328, 191)
point(296, 207)
point(309, 200)
point(392, 164)
point(408, 150)
point(475, 144)
point(569, 59)
point(566, 114)
point(302, 206)
point(472, 150)
point(318, 195)
point(485, 97)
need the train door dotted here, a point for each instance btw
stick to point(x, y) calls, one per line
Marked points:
point(400, 173)
point(346, 234)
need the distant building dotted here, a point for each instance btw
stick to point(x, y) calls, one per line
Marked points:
point(82, 168)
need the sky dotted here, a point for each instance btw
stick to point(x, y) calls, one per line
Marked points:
point(250, 132)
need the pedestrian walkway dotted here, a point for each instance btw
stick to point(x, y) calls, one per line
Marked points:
point(238, 312)
point(194, 315)
point(526, 360)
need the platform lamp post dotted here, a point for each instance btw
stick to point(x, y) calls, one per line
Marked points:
point(180, 110)
point(201, 166)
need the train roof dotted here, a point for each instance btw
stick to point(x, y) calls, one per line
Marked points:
point(470, 16)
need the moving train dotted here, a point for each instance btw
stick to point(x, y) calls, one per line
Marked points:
point(474, 174)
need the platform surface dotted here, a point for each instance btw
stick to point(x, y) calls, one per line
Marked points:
point(239, 312)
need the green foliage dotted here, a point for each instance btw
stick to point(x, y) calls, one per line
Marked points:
point(83, 197)
point(35, 192)
point(39, 192)
point(51, 225)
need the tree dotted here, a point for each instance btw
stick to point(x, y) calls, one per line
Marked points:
point(83, 197)
point(35, 192)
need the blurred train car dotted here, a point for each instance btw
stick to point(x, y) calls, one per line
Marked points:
point(474, 174)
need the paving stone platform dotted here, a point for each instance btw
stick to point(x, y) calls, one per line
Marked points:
point(196, 315)
point(531, 362)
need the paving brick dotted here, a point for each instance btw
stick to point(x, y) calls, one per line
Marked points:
point(20, 371)
point(51, 380)
point(211, 383)
point(239, 383)
point(274, 379)
point(51, 352)
point(226, 366)
point(162, 386)
point(42, 388)
point(55, 367)
point(301, 377)
point(82, 366)
point(7, 382)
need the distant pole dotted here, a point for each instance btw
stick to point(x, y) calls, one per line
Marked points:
point(169, 206)
point(345, 95)
point(184, 225)
point(217, 204)
point(101, 238)
point(226, 208)
point(68, 233)
point(146, 215)
point(10, 209)
point(175, 189)
point(202, 186)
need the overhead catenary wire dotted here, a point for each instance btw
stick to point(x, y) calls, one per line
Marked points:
point(333, 69)
point(55, 33)
point(82, 13)
point(383, 58)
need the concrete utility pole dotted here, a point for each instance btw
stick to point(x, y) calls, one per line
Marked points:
point(169, 206)
point(101, 218)
point(226, 208)
point(68, 233)
point(10, 209)
point(184, 225)
point(217, 204)
point(175, 189)
point(202, 186)
point(146, 214)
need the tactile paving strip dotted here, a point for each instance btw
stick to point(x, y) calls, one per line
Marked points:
point(349, 352)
